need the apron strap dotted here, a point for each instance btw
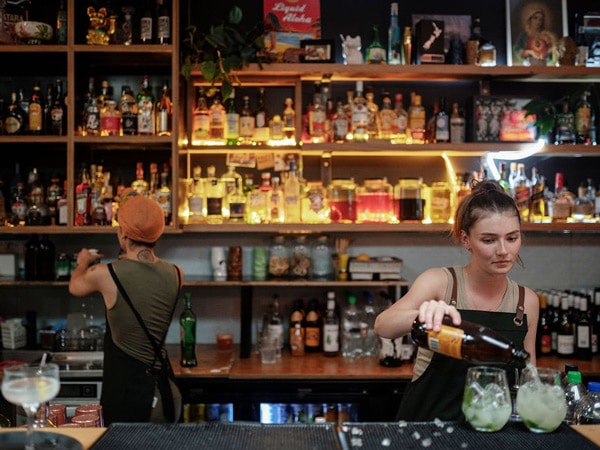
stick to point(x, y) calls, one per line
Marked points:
point(454, 294)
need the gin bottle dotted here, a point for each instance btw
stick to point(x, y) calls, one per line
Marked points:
point(196, 197)
point(215, 194)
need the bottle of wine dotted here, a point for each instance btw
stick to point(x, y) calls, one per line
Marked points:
point(187, 321)
point(469, 341)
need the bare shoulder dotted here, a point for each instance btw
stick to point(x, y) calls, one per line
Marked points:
point(429, 285)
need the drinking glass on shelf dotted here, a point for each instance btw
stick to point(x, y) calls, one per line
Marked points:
point(541, 401)
point(30, 385)
point(486, 403)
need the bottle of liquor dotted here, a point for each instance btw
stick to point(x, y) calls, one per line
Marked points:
point(317, 116)
point(442, 123)
point(125, 32)
point(292, 200)
point(566, 333)
point(430, 127)
point(370, 340)
point(229, 180)
point(36, 110)
point(163, 24)
point(187, 322)
point(565, 132)
point(583, 331)
point(18, 201)
point(373, 126)
point(522, 192)
point(275, 325)
point(216, 120)
point(296, 340)
point(58, 116)
point(401, 123)
point(261, 129)
point(127, 106)
point(37, 213)
point(146, 113)
point(153, 186)
point(110, 117)
point(14, 123)
point(247, 122)
point(146, 25)
point(215, 194)
point(387, 117)
point(341, 125)
point(375, 51)
point(331, 327)
point(289, 119)
point(163, 195)
point(313, 325)
point(140, 185)
point(83, 198)
point(583, 119)
point(394, 52)
point(61, 24)
point(407, 46)
point(561, 205)
point(256, 204)
point(232, 121)
point(537, 204)
point(583, 208)
point(351, 330)
point(237, 202)
point(201, 120)
point(360, 115)
point(472, 48)
point(417, 120)
point(196, 197)
point(91, 113)
point(53, 193)
point(164, 113)
point(469, 341)
point(544, 331)
point(297, 319)
point(276, 206)
point(457, 125)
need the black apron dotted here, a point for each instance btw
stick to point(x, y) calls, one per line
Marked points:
point(127, 387)
point(438, 392)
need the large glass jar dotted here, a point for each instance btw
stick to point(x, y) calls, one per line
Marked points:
point(300, 261)
point(408, 201)
point(314, 203)
point(341, 195)
point(279, 258)
point(441, 202)
point(322, 265)
point(375, 201)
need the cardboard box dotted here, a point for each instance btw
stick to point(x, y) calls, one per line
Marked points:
point(501, 119)
point(375, 269)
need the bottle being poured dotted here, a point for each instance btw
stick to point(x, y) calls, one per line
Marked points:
point(470, 342)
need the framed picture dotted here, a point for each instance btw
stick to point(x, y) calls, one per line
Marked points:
point(501, 119)
point(533, 29)
point(318, 51)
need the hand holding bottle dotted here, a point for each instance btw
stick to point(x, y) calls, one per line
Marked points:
point(432, 312)
point(88, 257)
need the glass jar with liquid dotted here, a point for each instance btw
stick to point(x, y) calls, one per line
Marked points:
point(408, 200)
point(441, 202)
point(375, 201)
point(341, 195)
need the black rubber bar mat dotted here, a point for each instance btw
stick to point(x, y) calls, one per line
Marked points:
point(448, 435)
point(219, 436)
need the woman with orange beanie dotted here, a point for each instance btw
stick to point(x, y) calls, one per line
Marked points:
point(140, 292)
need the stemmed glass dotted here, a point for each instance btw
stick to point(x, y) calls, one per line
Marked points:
point(30, 385)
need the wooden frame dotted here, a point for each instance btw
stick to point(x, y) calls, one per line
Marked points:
point(533, 29)
point(318, 50)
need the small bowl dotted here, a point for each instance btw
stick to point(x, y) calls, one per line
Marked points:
point(33, 32)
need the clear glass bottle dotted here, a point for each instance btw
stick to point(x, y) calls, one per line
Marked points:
point(374, 125)
point(370, 339)
point(351, 330)
point(417, 120)
point(163, 195)
point(146, 110)
point(441, 202)
point(291, 193)
point(341, 126)
point(196, 197)
point(247, 121)
point(215, 195)
point(442, 123)
point(229, 180)
point(317, 116)
point(375, 201)
point(200, 120)
point(232, 132)
point(276, 202)
point(387, 117)
point(217, 117)
point(237, 202)
point(394, 52)
point(401, 122)
point(341, 197)
point(360, 115)
point(331, 327)
point(314, 203)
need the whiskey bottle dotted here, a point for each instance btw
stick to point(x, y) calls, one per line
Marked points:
point(215, 194)
point(401, 123)
point(522, 192)
point(61, 24)
point(36, 111)
point(561, 205)
point(417, 120)
point(276, 207)
point(387, 117)
point(313, 327)
point(537, 204)
point(583, 119)
point(140, 185)
point(187, 322)
point(164, 113)
point(146, 112)
point(472, 47)
point(469, 341)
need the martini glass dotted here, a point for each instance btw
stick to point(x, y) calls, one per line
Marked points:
point(29, 386)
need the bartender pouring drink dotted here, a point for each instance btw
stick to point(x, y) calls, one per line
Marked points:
point(140, 292)
point(487, 224)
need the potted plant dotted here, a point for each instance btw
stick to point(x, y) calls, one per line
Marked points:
point(223, 49)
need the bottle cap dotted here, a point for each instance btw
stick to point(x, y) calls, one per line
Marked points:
point(594, 386)
point(574, 377)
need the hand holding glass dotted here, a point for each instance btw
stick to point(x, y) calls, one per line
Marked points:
point(29, 386)
point(486, 402)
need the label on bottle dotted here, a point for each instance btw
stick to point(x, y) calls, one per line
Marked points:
point(164, 29)
point(565, 344)
point(457, 130)
point(12, 125)
point(442, 129)
point(145, 117)
point(447, 341)
point(247, 125)
point(146, 29)
point(35, 117)
point(331, 342)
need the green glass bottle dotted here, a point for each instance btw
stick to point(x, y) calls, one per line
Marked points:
point(187, 320)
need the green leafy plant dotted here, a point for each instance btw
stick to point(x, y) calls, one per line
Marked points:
point(222, 50)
